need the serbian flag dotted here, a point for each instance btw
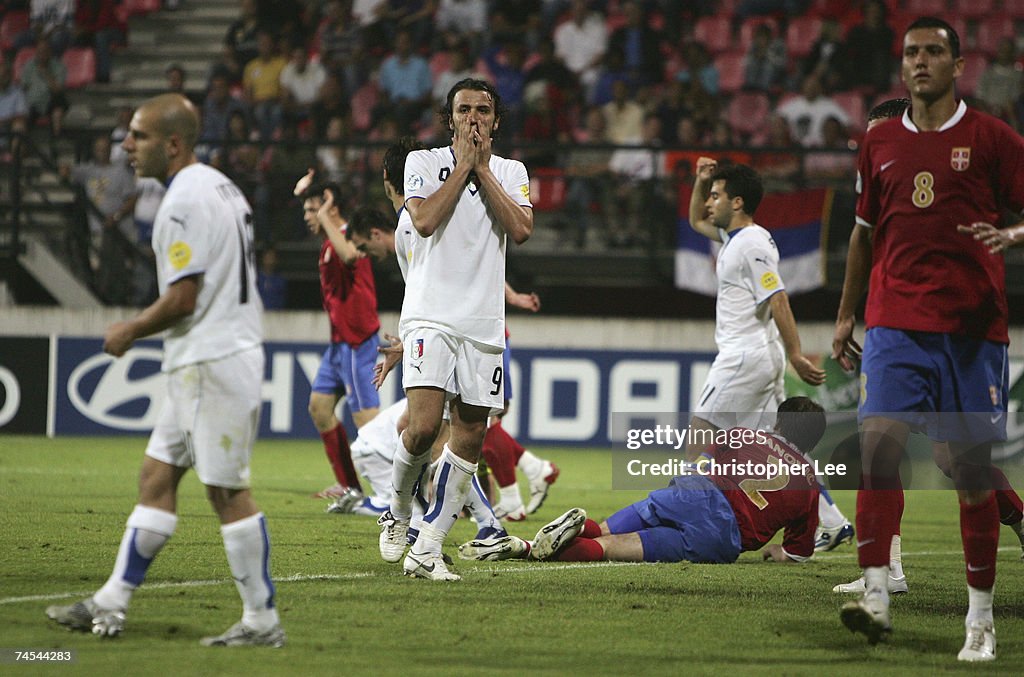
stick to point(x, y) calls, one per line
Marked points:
point(795, 221)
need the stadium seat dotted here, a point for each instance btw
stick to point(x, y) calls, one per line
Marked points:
point(730, 71)
point(363, 103)
point(853, 104)
point(12, 25)
point(714, 32)
point(1014, 8)
point(801, 34)
point(990, 32)
point(748, 27)
point(133, 7)
point(80, 63)
point(926, 7)
point(547, 189)
point(748, 112)
point(973, 9)
point(24, 54)
point(975, 64)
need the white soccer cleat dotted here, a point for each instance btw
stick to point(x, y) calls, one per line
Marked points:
point(346, 503)
point(428, 565)
point(868, 616)
point(242, 635)
point(829, 539)
point(554, 535)
point(980, 644)
point(540, 485)
point(493, 549)
point(897, 586)
point(331, 492)
point(516, 514)
point(87, 616)
point(393, 537)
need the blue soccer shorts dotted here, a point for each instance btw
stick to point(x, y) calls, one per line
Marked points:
point(951, 387)
point(690, 520)
point(349, 370)
point(506, 366)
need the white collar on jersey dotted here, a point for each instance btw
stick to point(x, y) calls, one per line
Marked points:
point(958, 115)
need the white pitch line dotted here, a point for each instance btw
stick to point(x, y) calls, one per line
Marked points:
point(923, 553)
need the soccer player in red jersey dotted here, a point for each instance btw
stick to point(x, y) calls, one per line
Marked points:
point(350, 299)
point(723, 507)
point(935, 353)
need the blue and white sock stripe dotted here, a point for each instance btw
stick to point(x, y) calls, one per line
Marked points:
point(483, 497)
point(265, 565)
point(442, 486)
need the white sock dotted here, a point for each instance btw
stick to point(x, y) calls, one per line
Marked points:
point(829, 516)
point(896, 557)
point(146, 531)
point(452, 483)
point(876, 584)
point(979, 605)
point(406, 471)
point(480, 508)
point(511, 500)
point(247, 544)
point(530, 465)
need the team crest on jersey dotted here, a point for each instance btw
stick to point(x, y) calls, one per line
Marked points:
point(769, 281)
point(415, 182)
point(179, 255)
point(960, 159)
point(417, 349)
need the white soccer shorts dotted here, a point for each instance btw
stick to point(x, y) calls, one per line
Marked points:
point(458, 366)
point(743, 388)
point(210, 419)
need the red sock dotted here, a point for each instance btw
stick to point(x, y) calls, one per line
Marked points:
point(507, 442)
point(581, 550)
point(878, 513)
point(340, 456)
point(591, 529)
point(498, 457)
point(979, 530)
point(1011, 508)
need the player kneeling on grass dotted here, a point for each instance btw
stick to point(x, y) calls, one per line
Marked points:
point(708, 518)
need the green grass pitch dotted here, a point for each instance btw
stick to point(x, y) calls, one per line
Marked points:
point(63, 504)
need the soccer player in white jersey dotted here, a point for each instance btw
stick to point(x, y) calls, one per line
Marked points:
point(463, 201)
point(213, 359)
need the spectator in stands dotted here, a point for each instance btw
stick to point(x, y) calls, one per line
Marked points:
point(764, 65)
point(779, 165)
point(149, 194)
point(98, 25)
point(834, 162)
point(699, 68)
point(1002, 83)
point(43, 79)
point(704, 106)
point(415, 16)
point(612, 70)
point(119, 132)
point(241, 160)
point(587, 173)
point(13, 104)
point(748, 8)
point(342, 46)
point(624, 118)
point(520, 21)
point(505, 64)
point(635, 174)
point(176, 77)
point(217, 109)
point(582, 41)
point(869, 50)
point(242, 34)
point(369, 16)
point(827, 59)
point(673, 106)
point(723, 135)
point(226, 65)
point(546, 123)
point(688, 133)
point(262, 84)
point(638, 44)
point(807, 112)
point(550, 68)
point(458, 69)
point(331, 158)
point(272, 285)
point(50, 20)
point(110, 188)
point(466, 18)
point(405, 83)
point(301, 81)
point(331, 103)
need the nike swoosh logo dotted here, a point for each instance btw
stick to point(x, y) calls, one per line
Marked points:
point(974, 569)
point(886, 165)
point(995, 419)
point(861, 544)
point(428, 569)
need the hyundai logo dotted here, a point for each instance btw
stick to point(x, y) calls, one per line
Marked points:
point(115, 389)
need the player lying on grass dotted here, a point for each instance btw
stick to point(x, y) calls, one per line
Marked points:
point(707, 516)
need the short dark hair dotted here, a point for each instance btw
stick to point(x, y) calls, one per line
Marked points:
point(366, 219)
point(801, 421)
point(316, 191)
point(935, 22)
point(445, 112)
point(394, 161)
point(888, 109)
point(741, 181)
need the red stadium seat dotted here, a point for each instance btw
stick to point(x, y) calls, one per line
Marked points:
point(12, 25)
point(973, 9)
point(80, 63)
point(748, 27)
point(730, 71)
point(853, 104)
point(975, 64)
point(991, 32)
point(714, 32)
point(133, 7)
point(363, 103)
point(24, 54)
point(926, 7)
point(801, 34)
point(748, 112)
point(547, 189)
point(1014, 8)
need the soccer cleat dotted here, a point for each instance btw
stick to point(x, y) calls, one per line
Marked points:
point(492, 549)
point(897, 586)
point(367, 508)
point(490, 532)
point(557, 533)
point(241, 635)
point(346, 503)
point(980, 644)
point(428, 565)
point(829, 539)
point(393, 533)
point(540, 485)
point(869, 617)
point(86, 616)
point(514, 515)
point(331, 492)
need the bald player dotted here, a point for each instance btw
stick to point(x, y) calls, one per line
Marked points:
point(213, 357)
